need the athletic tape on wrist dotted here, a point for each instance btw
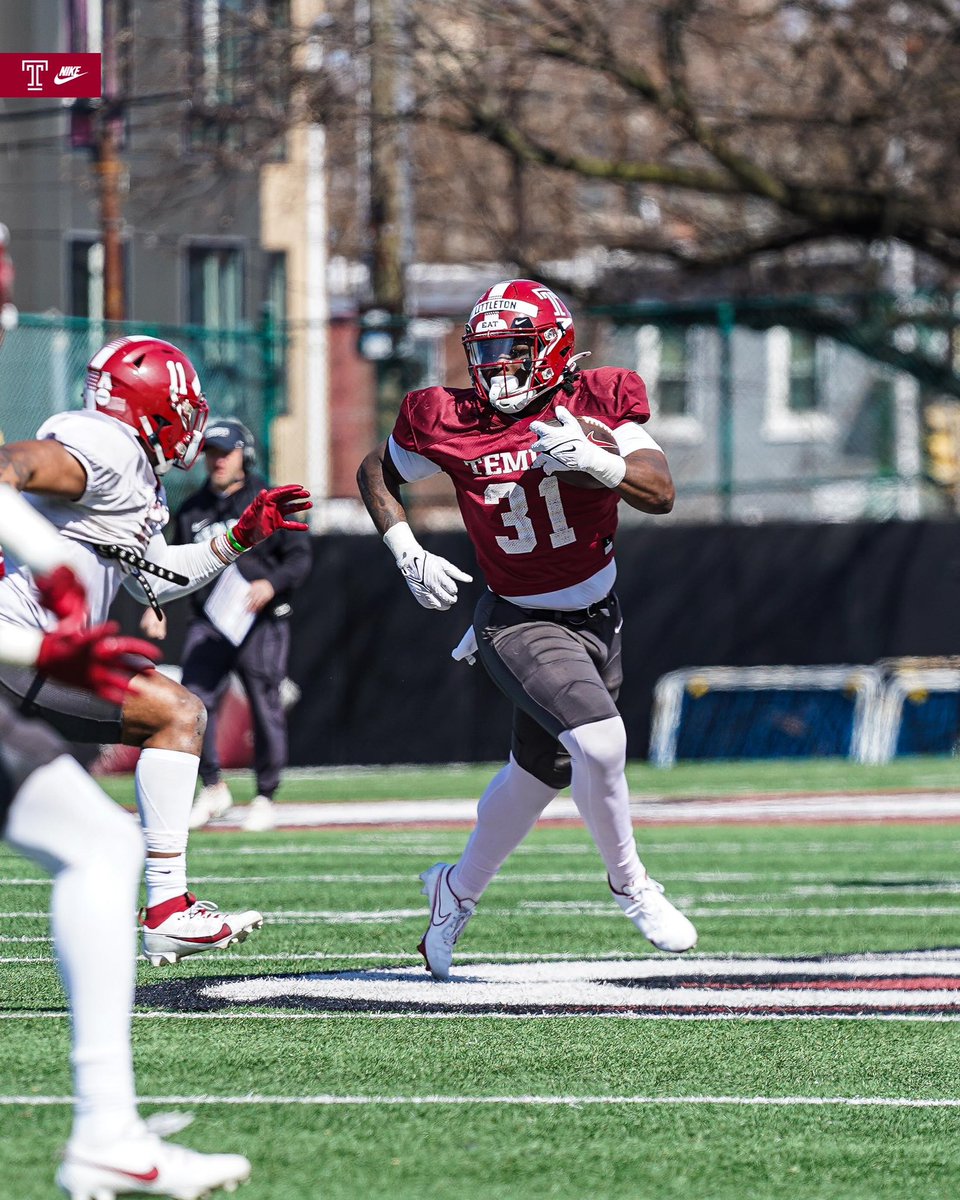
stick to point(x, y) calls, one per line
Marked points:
point(399, 540)
point(223, 547)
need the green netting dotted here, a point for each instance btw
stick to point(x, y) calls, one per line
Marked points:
point(44, 359)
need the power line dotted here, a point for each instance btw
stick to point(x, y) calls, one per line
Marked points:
point(116, 102)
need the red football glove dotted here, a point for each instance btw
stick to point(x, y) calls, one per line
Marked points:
point(270, 511)
point(62, 593)
point(95, 659)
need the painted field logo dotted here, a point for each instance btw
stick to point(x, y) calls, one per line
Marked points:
point(921, 983)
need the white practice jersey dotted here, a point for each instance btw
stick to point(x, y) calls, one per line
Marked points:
point(124, 505)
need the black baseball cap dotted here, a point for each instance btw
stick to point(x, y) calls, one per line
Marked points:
point(228, 434)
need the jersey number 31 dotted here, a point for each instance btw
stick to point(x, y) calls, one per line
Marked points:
point(517, 515)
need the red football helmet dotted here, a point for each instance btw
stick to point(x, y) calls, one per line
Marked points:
point(518, 340)
point(152, 387)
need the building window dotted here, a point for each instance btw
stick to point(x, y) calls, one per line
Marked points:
point(798, 366)
point(672, 392)
point(239, 74)
point(85, 276)
point(276, 284)
point(803, 395)
point(215, 286)
point(670, 359)
point(275, 292)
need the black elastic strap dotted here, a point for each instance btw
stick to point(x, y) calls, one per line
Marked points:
point(138, 566)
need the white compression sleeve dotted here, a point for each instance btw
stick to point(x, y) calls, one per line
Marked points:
point(165, 781)
point(508, 810)
point(63, 822)
point(599, 756)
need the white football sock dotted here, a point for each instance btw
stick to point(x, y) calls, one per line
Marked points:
point(506, 812)
point(166, 878)
point(599, 755)
point(166, 780)
point(63, 822)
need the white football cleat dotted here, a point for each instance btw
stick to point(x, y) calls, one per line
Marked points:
point(186, 926)
point(449, 913)
point(211, 802)
point(656, 918)
point(143, 1165)
point(261, 814)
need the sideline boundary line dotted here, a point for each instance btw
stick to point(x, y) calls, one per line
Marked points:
point(331, 1100)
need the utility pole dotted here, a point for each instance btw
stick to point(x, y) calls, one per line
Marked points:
point(386, 188)
point(109, 169)
point(386, 208)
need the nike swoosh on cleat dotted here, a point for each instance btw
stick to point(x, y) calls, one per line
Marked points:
point(150, 1176)
point(440, 913)
point(225, 931)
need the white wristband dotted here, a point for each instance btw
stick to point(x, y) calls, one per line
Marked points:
point(611, 470)
point(399, 540)
point(19, 646)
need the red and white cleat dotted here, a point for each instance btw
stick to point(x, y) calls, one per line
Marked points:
point(143, 1165)
point(186, 925)
point(449, 914)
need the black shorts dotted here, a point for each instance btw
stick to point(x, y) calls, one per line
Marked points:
point(79, 716)
point(24, 747)
point(560, 670)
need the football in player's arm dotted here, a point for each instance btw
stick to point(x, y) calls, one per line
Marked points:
point(517, 446)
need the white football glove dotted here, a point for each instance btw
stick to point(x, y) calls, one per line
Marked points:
point(569, 449)
point(432, 579)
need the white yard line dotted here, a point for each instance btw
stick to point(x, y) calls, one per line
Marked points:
point(905, 1017)
point(644, 809)
point(331, 1100)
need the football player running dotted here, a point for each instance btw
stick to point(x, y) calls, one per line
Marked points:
point(547, 630)
point(96, 475)
point(53, 813)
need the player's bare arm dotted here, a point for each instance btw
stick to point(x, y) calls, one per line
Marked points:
point(647, 484)
point(379, 486)
point(42, 466)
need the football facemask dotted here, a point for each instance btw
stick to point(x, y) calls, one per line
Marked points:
point(517, 341)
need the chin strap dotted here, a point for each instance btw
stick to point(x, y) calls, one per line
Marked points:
point(568, 382)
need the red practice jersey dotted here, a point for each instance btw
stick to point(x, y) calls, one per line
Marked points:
point(532, 533)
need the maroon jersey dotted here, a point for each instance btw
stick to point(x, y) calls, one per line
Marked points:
point(532, 533)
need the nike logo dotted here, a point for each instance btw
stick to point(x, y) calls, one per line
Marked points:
point(441, 916)
point(150, 1176)
point(213, 937)
point(68, 74)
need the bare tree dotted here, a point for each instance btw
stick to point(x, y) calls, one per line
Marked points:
point(754, 147)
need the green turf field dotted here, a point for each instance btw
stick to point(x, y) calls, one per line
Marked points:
point(352, 1104)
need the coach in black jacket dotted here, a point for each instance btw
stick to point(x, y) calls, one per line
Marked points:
point(273, 571)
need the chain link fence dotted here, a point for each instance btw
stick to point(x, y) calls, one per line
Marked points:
point(764, 420)
point(43, 366)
